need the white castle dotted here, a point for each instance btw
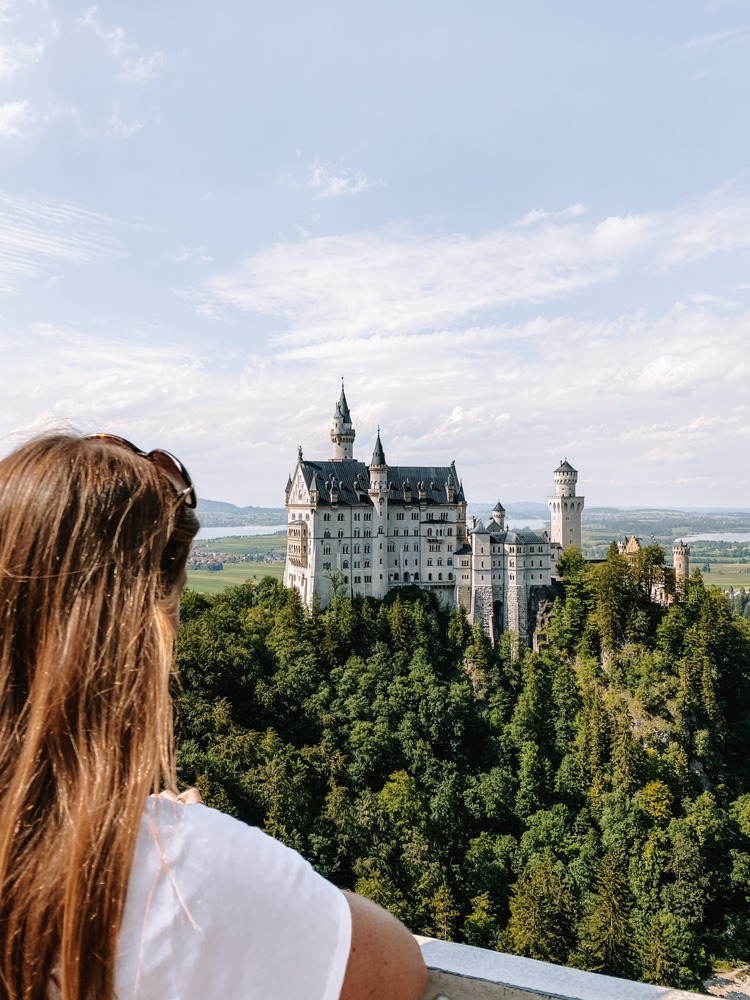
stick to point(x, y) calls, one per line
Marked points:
point(369, 529)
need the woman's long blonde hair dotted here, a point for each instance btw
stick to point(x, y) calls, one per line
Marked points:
point(93, 547)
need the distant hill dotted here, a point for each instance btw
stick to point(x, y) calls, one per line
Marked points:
point(218, 514)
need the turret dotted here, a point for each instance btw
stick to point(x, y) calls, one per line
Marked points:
point(498, 515)
point(342, 431)
point(681, 558)
point(565, 507)
point(378, 494)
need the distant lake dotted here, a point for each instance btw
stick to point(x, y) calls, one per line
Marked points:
point(719, 536)
point(242, 531)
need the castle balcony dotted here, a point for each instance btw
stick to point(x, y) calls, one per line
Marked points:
point(460, 972)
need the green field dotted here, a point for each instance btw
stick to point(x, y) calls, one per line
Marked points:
point(725, 574)
point(234, 573)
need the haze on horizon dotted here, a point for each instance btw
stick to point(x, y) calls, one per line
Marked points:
point(521, 233)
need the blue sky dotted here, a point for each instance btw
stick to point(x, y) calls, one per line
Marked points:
point(520, 231)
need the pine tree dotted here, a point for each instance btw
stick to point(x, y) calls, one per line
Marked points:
point(541, 913)
point(606, 933)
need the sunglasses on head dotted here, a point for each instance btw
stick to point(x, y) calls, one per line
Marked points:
point(172, 467)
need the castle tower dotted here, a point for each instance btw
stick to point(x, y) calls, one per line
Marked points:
point(565, 508)
point(681, 558)
point(378, 494)
point(342, 432)
point(498, 515)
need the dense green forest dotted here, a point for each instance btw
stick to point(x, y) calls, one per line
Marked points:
point(588, 804)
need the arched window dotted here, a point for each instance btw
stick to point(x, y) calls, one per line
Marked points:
point(345, 564)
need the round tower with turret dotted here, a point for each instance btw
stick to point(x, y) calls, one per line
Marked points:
point(565, 507)
point(378, 494)
point(342, 432)
point(681, 559)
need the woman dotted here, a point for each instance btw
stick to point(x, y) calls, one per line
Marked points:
point(104, 891)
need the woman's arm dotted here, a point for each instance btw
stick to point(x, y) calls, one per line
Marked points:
point(384, 960)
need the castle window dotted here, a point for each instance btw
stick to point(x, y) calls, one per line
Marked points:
point(357, 579)
point(449, 562)
point(367, 563)
point(429, 562)
point(391, 547)
point(326, 534)
point(395, 576)
point(440, 562)
point(440, 532)
point(346, 579)
point(429, 576)
point(368, 579)
point(368, 517)
point(416, 548)
point(340, 533)
point(406, 531)
point(415, 516)
point(449, 531)
point(450, 576)
point(357, 517)
point(416, 576)
point(430, 517)
point(399, 517)
point(341, 516)
point(367, 547)
point(367, 533)
point(345, 564)
point(406, 547)
point(326, 550)
point(345, 548)
point(429, 532)
point(356, 548)
point(357, 564)
point(395, 532)
point(326, 565)
point(326, 517)
point(440, 576)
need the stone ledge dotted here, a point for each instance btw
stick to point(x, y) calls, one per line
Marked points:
point(460, 972)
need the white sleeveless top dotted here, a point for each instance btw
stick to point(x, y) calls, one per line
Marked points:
point(217, 909)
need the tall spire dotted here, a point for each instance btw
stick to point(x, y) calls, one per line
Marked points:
point(342, 431)
point(342, 406)
point(378, 455)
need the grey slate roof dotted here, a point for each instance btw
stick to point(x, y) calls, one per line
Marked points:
point(565, 466)
point(517, 537)
point(378, 455)
point(352, 480)
point(342, 407)
point(498, 506)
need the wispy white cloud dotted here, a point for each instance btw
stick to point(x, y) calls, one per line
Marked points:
point(327, 181)
point(16, 55)
point(396, 281)
point(133, 68)
point(121, 129)
point(35, 235)
point(15, 117)
point(537, 215)
point(729, 36)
